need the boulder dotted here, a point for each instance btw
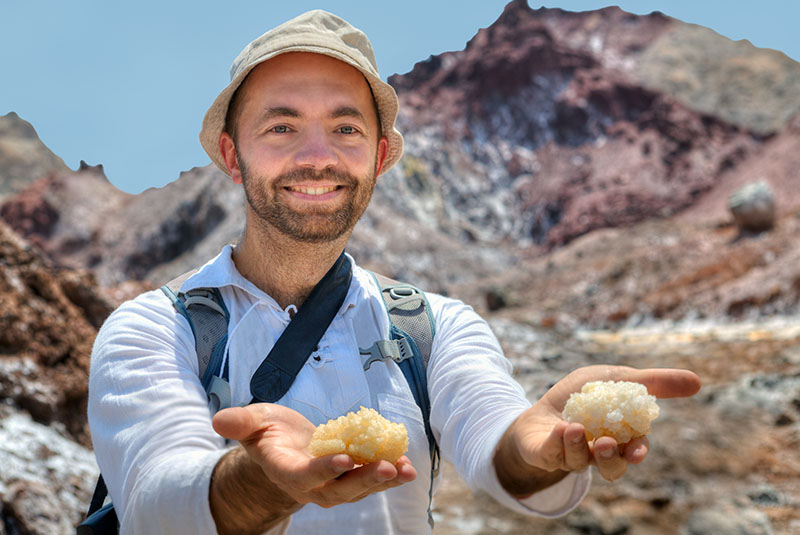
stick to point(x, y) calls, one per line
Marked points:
point(753, 207)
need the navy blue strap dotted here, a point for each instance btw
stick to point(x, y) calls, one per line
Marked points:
point(277, 372)
point(99, 496)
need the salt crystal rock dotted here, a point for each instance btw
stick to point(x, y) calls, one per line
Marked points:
point(619, 409)
point(366, 436)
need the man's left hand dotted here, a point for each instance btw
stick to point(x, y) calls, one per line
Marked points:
point(540, 448)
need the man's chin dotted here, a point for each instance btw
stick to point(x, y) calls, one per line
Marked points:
point(316, 228)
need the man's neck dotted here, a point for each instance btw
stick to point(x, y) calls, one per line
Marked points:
point(285, 269)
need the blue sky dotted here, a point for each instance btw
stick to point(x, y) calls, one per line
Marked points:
point(126, 84)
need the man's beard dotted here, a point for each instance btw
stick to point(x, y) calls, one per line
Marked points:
point(312, 226)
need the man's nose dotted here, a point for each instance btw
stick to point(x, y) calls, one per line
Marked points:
point(317, 151)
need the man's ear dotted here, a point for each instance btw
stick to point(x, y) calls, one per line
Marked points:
point(383, 151)
point(228, 150)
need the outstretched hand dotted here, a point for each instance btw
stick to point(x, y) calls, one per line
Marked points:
point(541, 439)
point(276, 439)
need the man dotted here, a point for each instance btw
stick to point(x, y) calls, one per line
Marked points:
point(306, 127)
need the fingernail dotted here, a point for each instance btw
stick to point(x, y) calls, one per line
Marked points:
point(608, 454)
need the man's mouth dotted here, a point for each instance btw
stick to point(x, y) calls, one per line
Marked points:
point(312, 190)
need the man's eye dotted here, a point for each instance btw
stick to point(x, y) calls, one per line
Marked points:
point(348, 130)
point(280, 129)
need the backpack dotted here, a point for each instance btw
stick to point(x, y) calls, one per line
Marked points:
point(411, 338)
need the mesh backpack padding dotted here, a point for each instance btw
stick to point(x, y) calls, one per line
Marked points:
point(412, 316)
point(405, 317)
point(209, 330)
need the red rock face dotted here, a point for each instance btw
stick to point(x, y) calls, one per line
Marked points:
point(47, 325)
point(31, 214)
point(546, 102)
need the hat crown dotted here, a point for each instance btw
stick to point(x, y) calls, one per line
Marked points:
point(315, 28)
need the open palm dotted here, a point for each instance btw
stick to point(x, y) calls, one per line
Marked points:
point(547, 442)
point(276, 438)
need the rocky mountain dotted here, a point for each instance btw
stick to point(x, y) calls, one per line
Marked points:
point(82, 220)
point(23, 157)
point(568, 175)
point(543, 129)
point(757, 89)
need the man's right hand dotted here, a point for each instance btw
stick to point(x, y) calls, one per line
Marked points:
point(272, 474)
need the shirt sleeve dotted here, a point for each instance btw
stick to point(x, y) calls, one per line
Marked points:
point(474, 399)
point(149, 420)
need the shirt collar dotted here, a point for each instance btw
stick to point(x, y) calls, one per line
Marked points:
point(221, 271)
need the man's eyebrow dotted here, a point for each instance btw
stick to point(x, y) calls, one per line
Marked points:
point(348, 111)
point(279, 111)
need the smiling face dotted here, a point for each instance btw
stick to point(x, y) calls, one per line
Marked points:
point(307, 147)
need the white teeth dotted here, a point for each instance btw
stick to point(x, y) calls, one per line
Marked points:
point(313, 191)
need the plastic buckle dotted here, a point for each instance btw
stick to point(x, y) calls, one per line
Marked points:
point(396, 350)
point(219, 395)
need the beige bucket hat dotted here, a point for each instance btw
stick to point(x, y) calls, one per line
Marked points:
point(319, 32)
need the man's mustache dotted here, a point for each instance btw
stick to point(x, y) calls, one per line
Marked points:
point(306, 175)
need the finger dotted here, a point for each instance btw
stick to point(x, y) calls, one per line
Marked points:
point(576, 450)
point(405, 474)
point(608, 460)
point(666, 382)
point(405, 470)
point(636, 450)
point(356, 483)
point(322, 470)
point(242, 423)
point(236, 423)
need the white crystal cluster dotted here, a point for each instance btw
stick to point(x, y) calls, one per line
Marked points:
point(619, 409)
point(366, 436)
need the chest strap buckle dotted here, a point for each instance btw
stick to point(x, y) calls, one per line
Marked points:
point(396, 350)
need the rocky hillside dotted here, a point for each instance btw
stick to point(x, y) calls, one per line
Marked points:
point(724, 462)
point(23, 157)
point(48, 322)
point(756, 88)
point(543, 129)
point(46, 330)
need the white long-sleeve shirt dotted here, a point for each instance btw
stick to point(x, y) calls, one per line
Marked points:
point(156, 448)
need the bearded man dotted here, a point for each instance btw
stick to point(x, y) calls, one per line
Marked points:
point(306, 126)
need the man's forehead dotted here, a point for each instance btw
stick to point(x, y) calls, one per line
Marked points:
point(308, 63)
point(328, 74)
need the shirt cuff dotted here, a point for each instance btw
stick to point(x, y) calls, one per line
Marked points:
point(561, 498)
point(552, 502)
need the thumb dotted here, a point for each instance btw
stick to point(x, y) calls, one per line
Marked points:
point(667, 382)
point(545, 451)
point(236, 423)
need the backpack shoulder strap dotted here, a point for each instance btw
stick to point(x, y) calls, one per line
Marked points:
point(411, 331)
point(175, 284)
point(208, 318)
